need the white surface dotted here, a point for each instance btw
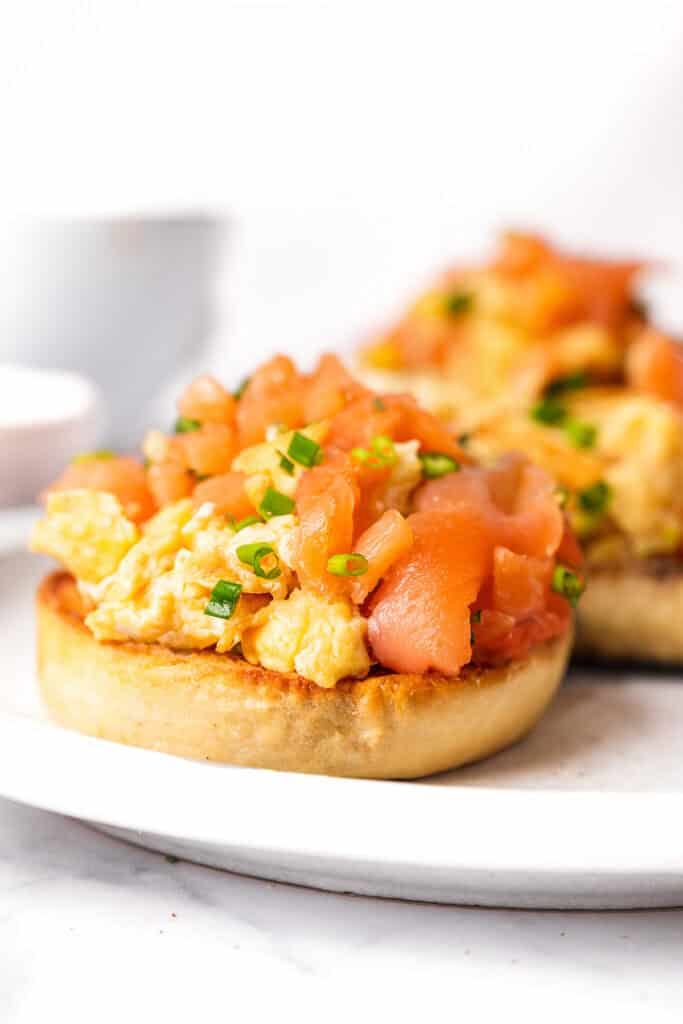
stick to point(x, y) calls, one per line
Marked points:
point(47, 416)
point(94, 930)
point(585, 813)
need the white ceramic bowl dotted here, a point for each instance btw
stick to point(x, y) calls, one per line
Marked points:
point(46, 416)
point(126, 301)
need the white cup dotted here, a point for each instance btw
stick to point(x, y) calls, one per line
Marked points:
point(128, 302)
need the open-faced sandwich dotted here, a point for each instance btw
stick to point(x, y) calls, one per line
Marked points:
point(305, 576)
point(552, 355)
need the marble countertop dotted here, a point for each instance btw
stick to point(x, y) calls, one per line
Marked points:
point(92, 929)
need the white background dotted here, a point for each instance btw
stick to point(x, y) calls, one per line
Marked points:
point(356, 146)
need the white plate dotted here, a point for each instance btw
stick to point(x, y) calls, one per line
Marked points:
point(585, 813)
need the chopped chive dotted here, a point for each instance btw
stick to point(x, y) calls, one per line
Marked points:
point(100, 453)
point(348, 565)
point(567, 583)
point(437, 464)
point(247, 521)
point(595, 499)
point(274, 503)
point(286, 464)
point(241, 388)
point(362, 455)
point(570, 382)
point(562, 494)
point(378, 404)
point(304, 451)
point(549, 411)
point(383, 447)
point(382, 453)
point(581, 435)
point(223, 600)
point(464, 439)
point(458, 302)
point(254, 555)
point(185, 425)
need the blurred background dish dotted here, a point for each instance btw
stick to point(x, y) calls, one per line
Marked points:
point(125, 301)
point(46, 416)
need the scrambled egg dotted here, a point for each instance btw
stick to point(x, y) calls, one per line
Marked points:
point(86, 531)
point(262, 462)
point(640, 443)
point(321, 639)
point(154, 585)
point(162, 586)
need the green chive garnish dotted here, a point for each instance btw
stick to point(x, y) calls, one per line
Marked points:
point(378, 405)
point(595, 499)
point(100, 453)
point(567, 583)
point(223, 600)
point(382, 453)
point(361, 454)
point(185, 425)
point(274, 503)
point(549, 411)
point(303, 450)
point(383, 447)
point(247, 521)
point(436, 464)
point(348, 565)
point(458, 302)
point(581, 435)
point(570, 382)
point(254, 555)
point(241, 388)
point(286, 464)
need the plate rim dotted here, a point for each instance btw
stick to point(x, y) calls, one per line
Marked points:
point(396, 824)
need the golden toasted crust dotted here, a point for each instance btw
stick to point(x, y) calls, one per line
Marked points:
point(217, 707)
point(633, 613)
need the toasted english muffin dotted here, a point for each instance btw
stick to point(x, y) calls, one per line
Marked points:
point(218, 707)
point(633, 613)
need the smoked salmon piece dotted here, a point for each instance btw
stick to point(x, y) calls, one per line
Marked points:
point(121, 476)
point(520, 583)
point(655, 366)
point(420, 617)
point(498, 637)
point(209, 450)
point(362, 420)
point(415, 423)
point(382, 544)
point(207, 401)
point(329, 388)
point(169, 482)
point(325, 503)
point(274, 394)
point(227, 493)
point(517, 499)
